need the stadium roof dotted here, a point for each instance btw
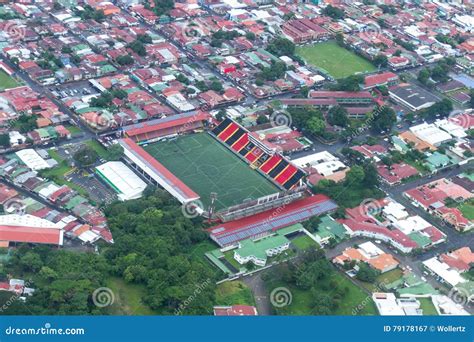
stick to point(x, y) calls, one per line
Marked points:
point(167, 122)
point(157, 171)
point(126, 183)
point(231, 232)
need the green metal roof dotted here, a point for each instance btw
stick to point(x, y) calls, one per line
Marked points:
point(258, 248)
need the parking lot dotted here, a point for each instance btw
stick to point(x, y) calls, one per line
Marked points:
point(74, 89)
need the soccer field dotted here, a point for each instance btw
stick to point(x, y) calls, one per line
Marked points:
point(336, 60)
point(6, 81)
point(206, 166)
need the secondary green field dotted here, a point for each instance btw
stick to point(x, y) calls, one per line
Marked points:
point(128, 298)
point(206, 166)
point(467, 210)
point(7, 82)
point(336, 60)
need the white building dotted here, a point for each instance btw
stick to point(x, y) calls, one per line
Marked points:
point(123, 180)
point(389, 305)
point(430, 133)
point(323, 162)
point(32, 159)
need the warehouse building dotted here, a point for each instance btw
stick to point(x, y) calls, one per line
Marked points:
point(123, 180)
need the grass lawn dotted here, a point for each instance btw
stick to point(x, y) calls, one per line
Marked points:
point(428, 307)
point(384, 279)
point(229, 256)
point(336, 60)
point(74, 130)
point(7, 82)
point(127, 298)
point(303, 242)
point(206, 166)
point(467, 210)
point(96, 146)
point(57, 173)
point(234, 293)
point(355, 299)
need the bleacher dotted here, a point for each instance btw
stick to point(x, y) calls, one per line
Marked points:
point(274, 166)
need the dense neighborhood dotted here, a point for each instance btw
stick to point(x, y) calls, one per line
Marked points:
point(236, 157)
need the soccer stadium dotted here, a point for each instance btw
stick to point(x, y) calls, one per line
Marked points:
point(206, 166)
point(223, 166)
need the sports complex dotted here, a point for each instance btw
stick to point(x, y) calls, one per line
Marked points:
point(224, 172)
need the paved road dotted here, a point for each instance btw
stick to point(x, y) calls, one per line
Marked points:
point(259, 291)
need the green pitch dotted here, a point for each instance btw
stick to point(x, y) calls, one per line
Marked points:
point(7, 82)
point(336, 60)
point(206, 166)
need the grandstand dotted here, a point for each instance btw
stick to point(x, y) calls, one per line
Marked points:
point(231, 175)
point(277, 168)
point(155, 172)
point(169, 126)
point(266, 222)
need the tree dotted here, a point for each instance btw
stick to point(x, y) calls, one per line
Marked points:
point(163, 6)
point(338, 116)
point(216, 86)
point(5, 140)
point(262, 119)
point(221, 115)
point(471, 94)
point(138, 47)
point(350, 83)
point(316, 126)
point(380, 60)
point(281, 47)
point(424, 76)
point(86, 157)
point(366, 273)
point(333, 12)
point(383, 119)
point(124, 60)
point(355, 175)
